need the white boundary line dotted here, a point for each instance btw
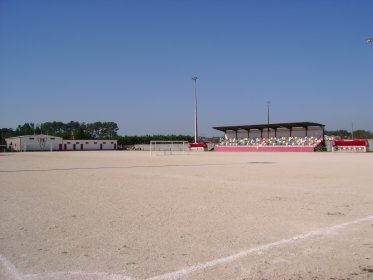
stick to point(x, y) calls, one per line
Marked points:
point(16, 274)
point(319, 232)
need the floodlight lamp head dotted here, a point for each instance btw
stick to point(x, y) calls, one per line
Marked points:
point(194, 78)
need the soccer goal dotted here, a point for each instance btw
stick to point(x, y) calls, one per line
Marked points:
point(168, 147)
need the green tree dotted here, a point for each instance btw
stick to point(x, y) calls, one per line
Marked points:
point(6, 133)
point(133, 140)
point(26, 129)
point(362, 134)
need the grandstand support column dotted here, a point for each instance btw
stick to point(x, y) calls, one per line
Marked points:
point(194, 78)
point(306, 131)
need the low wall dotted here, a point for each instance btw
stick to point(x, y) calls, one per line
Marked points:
point(329, 145)
point(163, 147)
point(370, 148)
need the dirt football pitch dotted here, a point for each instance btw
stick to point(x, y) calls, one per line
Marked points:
point(128, 215)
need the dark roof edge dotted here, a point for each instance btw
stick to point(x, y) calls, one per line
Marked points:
point(271, 125)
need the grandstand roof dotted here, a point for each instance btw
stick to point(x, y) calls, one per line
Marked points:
point(271, 125)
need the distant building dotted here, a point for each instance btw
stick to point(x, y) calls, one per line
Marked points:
point(42, 142)
point(89, 144)
point(38, 142)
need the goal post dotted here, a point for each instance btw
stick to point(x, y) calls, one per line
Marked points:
point(168, 147)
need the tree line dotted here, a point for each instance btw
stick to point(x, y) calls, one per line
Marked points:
point(70, 130)
point(77, 130)
point(344, 134)
point(133, 140)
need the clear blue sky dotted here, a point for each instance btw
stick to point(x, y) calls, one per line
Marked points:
point(131, 62)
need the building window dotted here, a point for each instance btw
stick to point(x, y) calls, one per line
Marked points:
point(31, 138)
point(104, 143)
point(87, 142)
point(52, 138)
point(94, 142)
point(68, 143)
point(112, 142)
point(77, 142)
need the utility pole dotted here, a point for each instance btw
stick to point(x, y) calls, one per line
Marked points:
point(194, 78)
point(352, 131)
point(268, 103)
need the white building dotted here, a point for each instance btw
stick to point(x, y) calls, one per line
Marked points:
point(40, 142)
point(43, 142)
point(89, 144)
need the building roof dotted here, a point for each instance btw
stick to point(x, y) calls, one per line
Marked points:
point(270, 126)
point(95, 139)
point(33, 135)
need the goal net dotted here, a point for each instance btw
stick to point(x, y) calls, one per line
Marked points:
point(168, 147)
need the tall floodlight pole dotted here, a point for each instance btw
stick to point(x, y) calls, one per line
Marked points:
point(369, 41)
point(194, 78)
point(268, 103)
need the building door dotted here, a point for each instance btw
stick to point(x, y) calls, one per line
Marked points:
point(65, 147)
point(100, 146)
point(60, 147)
point(81, 147)
point(74, 147)
point(115, 146)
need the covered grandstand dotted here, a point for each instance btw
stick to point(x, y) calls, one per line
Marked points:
point(287, 137)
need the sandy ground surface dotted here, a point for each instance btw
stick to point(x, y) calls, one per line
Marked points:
point(126, 215)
